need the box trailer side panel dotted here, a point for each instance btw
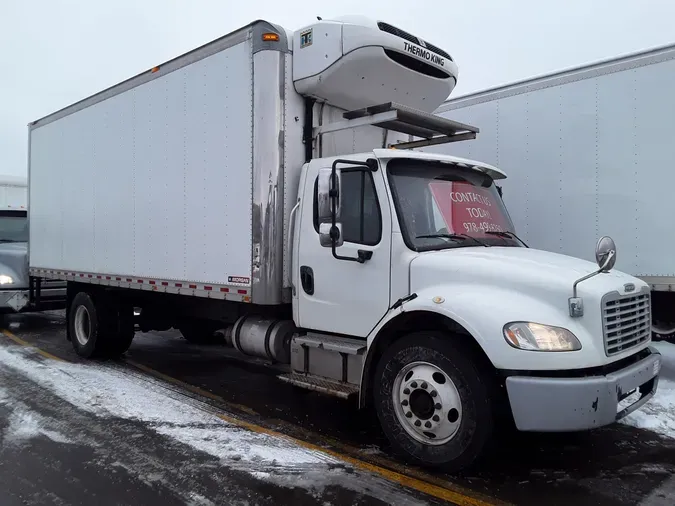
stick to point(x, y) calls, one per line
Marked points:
point(588, 153)
point(153, 182)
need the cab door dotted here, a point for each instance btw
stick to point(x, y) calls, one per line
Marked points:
point(341, 296)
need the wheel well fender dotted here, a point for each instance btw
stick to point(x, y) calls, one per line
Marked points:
point(402, 325)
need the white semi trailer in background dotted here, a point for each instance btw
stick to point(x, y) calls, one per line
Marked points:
point(18, 291)
point(249, 184)
point(588, 149)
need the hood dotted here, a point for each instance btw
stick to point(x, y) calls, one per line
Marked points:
point(523, 268)
point(14, 263)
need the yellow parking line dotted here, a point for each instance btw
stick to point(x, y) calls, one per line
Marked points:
point(21, 342)
point(420, 485)
point(407, 481)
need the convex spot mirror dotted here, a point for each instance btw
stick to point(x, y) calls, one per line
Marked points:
point(605, 253)
point(329, 203)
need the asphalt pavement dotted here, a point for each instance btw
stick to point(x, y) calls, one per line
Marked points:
point(185, 424)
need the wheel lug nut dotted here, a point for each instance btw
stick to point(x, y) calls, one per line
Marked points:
point(417, 423)
point(406, 391)
point(413, 384)
point(404, 403)
point(438, 405)
point(434, 393)
point(428, 425)
point(408, 414)
point(424, 385)
point(436, 418)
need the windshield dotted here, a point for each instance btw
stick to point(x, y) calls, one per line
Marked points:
point(447, 206)
point(13, 226)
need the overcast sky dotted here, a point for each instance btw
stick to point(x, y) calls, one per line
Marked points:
point(55, 52)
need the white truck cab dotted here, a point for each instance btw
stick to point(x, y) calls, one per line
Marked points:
point(299, 216)
point(18, 293)
point(416, 253)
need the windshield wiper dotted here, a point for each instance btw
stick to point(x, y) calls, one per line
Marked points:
point(8, 240)
point(508, 234)
point(462, 237)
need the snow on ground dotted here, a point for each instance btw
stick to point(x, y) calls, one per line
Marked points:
point(107, 391)
point(658, 414)
point(110, 391)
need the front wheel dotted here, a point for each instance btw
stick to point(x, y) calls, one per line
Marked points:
point(433, 402)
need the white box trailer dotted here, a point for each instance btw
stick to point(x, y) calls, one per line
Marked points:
point(250, 185)
point(13, 192)
point(593, 153)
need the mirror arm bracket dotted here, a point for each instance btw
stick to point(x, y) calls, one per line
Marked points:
point(371, 164)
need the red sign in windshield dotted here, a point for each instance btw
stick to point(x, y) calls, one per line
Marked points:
point(468, 209)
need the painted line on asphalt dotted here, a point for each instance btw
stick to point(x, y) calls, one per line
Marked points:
point(21, 342)
point(392, 471)
point(407, 481)
point(440, 490)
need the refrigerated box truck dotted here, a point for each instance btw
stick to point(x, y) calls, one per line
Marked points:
point(594, 152)
point(266, 182)
point(18, 293)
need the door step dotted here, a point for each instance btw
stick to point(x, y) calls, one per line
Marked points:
point(323, 385)
point(332, 343)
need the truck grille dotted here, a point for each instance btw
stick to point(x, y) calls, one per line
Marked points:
point(626, 321)
point(386, 27)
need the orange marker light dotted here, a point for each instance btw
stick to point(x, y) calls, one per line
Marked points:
point(154, 69)
point(270, 37)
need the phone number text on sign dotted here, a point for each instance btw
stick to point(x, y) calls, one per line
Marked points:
point(468, 209)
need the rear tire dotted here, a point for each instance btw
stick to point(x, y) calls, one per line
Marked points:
point(99, 326)
point(435, 404)
point(83, 326)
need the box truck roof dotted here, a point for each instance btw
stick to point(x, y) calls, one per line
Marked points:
point(256, 31)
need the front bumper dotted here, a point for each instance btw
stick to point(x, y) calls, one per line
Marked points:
point(13, 300)
point(19, 300)
point(542, 404)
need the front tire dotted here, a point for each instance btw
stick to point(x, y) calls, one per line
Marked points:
point(433, 401)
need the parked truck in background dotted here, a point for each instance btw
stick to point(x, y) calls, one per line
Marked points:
point(252, 183)
point(587, 150)
point(17, 292)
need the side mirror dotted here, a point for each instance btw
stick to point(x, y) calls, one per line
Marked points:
point(325, 236)
point(605, 253)
point(329, 203)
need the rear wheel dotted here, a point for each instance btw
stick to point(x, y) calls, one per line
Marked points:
point(433, 401)
point(99, 326)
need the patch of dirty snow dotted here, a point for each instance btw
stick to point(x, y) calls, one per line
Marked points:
point(240, 445)
point(658, 414)
point(25, 425)
point(199, 500)
point(108, 391)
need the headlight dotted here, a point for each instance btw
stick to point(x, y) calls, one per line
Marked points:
point(536, 337)
point(6, 280)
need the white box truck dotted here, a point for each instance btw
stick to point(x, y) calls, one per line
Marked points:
point(18, 291)
point(252, 183)
point(594, 154)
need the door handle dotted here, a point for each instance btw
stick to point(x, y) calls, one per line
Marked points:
point(307, 279)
